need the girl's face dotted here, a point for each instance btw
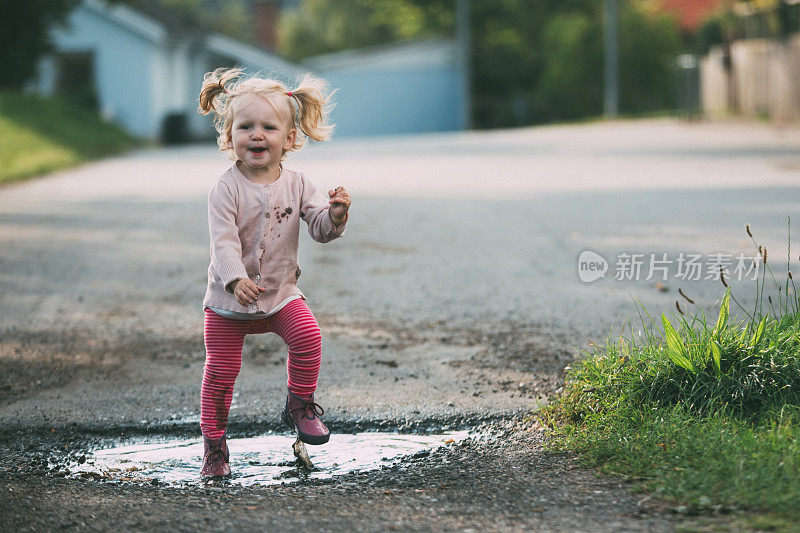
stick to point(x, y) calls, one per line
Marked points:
point(260, 136)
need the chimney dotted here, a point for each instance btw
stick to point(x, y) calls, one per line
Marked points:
point(266, 23)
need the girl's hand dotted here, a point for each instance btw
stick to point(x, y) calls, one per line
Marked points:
point(246, 291)
point(340, 203)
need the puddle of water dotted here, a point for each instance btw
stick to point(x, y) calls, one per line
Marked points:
point(264, 460)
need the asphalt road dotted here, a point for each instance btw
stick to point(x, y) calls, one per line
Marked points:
point(454, 298)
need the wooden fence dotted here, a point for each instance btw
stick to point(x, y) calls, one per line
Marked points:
point(759, 78)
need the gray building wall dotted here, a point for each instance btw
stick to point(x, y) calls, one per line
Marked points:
point(406, 88)
point(123, 65)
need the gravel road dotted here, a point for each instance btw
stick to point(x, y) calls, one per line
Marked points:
point(453, 301)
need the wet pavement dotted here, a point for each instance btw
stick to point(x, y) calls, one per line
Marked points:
point(453, 302)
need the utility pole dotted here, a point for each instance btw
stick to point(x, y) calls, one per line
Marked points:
point(463, 54)
point(611, 54)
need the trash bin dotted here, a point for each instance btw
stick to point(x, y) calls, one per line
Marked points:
point(173, 129)
point(688, 86)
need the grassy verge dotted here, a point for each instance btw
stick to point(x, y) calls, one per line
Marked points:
point(40, 135)
point(707, 415)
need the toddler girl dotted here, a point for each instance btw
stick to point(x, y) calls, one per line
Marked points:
point(254, 213)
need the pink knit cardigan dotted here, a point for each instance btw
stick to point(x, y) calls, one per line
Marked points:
point(254, 232)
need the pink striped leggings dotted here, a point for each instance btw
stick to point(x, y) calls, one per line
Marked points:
point(224, 338)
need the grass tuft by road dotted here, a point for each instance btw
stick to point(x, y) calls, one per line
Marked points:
point(40, 135)
point(706, 413)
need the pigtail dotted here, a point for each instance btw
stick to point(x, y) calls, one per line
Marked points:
point(213, 89)
point(313, 109)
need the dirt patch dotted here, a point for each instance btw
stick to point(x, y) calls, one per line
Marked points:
point(23, 377)
point(31, 363)
point(536, 352)
point(36, 360)
point(523, 347)
point(505, 482)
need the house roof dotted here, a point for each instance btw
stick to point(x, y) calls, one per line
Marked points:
point(159, 25)
point(128, 18)
point(247, 54)
point(174, 22)
point(424, 52)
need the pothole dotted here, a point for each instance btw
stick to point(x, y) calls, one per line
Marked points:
point(262, 460)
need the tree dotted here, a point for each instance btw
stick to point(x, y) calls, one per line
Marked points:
point(25, 36)
point(228, 17)
point(571, 81)
point(648, 48)
point(319, 26)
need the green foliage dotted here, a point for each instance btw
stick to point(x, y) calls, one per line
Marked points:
point(228, 17)
point(24, 37)
point(769, 19)
point(714, 464)
point(319, 27)
point(676, 351)
point(743, 368)
point(707, 416)
point(571, 82)
point(648, 47)
point(713, 431)
point(724, 311)
point(507, 59)
point(39, 135)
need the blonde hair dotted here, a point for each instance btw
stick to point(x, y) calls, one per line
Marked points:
point(306, 105)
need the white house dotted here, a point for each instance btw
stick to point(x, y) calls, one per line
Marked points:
point(143, 68)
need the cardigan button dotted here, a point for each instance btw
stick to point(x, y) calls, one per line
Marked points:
point(297, 274)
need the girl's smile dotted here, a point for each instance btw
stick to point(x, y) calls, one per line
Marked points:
point(259, 138)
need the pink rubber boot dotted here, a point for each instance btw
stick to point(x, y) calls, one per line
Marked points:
point(215, 458)
point(304, 415)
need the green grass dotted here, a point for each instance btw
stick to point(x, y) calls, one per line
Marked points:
point(40, 135)
point(705, 414)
